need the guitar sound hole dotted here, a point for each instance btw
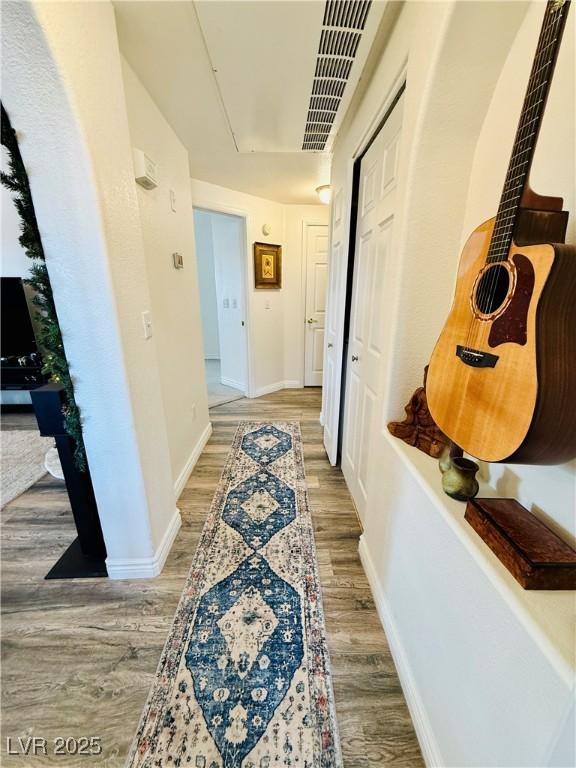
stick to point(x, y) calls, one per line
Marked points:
point(492, 289)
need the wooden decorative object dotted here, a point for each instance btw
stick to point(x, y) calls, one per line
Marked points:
point(534, 555)
point(419, 428)
point(267, 265)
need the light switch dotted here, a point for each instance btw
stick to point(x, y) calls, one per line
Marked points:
point(173, 200)
point(147, 323)
point(226, 303)
point(268, 305)
point(234, 304)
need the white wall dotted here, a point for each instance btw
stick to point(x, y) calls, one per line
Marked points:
point(487, 668)
point(78, 157)
point(275, 317)
point(174, 296)
point(207, 284)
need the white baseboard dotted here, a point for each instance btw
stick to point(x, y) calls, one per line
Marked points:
point(290, 384)
point(321, 418)
point(146, 567)
point(422, 725)
point(268, 389)
point(182, 478)
point(232, 383)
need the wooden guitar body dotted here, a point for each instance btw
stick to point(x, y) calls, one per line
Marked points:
point(502, 378)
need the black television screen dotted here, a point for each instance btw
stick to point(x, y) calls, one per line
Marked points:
point(17, 332)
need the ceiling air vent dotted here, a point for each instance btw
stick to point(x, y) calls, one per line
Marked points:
point(344, 21)
point(328, 66)
point(350, 14)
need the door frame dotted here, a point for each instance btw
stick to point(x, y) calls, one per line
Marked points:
point(211, 207)
point(304, 281)
point(363, 147)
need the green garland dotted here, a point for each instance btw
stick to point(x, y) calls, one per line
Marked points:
point(48, 329)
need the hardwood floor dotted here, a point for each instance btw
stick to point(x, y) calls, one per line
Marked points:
point(78, 658)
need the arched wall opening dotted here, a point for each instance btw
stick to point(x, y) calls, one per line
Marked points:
point(62, 86)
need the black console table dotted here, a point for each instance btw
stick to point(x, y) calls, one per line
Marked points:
point(86, 556)
point(18, 378)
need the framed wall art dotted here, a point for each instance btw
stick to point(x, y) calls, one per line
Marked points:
point(267, 265)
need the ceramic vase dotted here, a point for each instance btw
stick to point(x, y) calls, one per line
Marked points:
point(459, 480)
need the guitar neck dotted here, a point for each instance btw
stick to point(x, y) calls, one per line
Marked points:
point(528, 128)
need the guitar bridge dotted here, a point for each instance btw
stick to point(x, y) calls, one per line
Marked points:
point(476, 358)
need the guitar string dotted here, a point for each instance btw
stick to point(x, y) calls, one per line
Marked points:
point(503, 234)
point(505, 223)
point(484, 291)
point(504, 226)
point(503, 230)
point(552, 28)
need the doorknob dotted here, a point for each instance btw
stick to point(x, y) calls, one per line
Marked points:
point(311, 320)
point(354, 358)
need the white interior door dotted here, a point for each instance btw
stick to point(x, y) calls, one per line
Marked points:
point(375, 224)
point(316, 279)
point(228, 247)
point(334, 333)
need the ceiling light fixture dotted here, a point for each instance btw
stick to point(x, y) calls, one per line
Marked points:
point(324, 193)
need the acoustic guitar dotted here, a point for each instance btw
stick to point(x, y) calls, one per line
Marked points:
point(502, 378)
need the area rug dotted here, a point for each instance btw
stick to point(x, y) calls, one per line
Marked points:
point(22, 455)
point(243, 681)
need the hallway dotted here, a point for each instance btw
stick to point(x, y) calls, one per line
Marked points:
point(100, 641)
point(313, 219)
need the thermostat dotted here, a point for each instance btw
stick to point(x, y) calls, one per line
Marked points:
point(145, 169)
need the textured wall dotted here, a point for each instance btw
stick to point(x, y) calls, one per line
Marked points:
point(174, 297)
point(61, 64)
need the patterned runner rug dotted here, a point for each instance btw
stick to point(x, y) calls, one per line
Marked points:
point(243, 681)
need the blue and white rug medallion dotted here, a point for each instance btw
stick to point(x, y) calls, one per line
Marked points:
point(243, 681)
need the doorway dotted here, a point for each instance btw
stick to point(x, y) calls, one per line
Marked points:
point(375, 181)
point(220, 255)
point(316, 254)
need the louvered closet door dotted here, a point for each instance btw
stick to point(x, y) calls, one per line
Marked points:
point(376, 210)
